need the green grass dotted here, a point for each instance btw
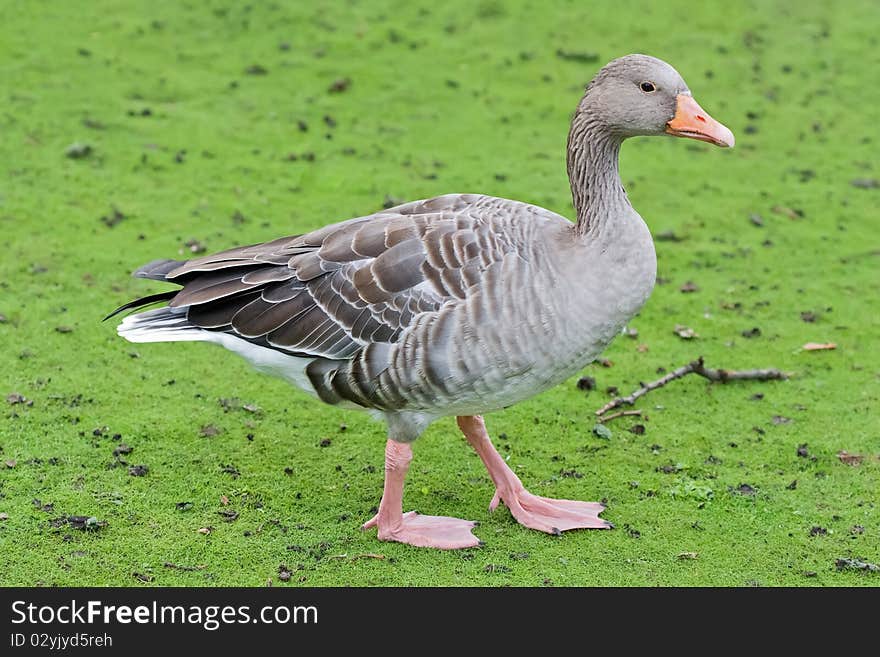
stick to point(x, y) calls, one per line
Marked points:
point(459, 96)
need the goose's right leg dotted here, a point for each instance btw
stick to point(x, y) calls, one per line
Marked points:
point(412, 528)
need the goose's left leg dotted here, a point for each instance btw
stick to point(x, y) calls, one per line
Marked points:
point(541, 513)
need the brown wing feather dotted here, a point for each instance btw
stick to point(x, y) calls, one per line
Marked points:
point(333, 291)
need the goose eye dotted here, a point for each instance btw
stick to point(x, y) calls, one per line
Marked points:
point(647, 87)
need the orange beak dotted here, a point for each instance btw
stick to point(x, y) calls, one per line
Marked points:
point(692, 121)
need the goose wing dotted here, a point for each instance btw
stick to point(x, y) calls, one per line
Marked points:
point(331, 292)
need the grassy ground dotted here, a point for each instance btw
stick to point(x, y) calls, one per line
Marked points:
point(222, 126)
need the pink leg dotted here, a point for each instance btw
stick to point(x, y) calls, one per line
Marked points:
point(542, 513)
point(411, 527)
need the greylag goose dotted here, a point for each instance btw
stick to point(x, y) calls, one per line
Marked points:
point(455, 305)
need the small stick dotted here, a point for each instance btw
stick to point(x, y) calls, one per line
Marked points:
point(176, 566)
point(355, 557)
point(618, 414)
point(694, 367)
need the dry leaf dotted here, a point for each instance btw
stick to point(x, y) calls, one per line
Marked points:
point(642, 348)
point(850, 459)
point(205, 530)
point(224, 500)
point(11, 463)
point(819, 346)
point(791, 213)
point(683, 556)
point(4, 516)
point(684, 332)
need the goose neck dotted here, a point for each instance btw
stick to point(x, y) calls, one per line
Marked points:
point(593, 173)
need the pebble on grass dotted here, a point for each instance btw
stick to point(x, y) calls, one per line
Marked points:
point(78, 151)
point(339, 85)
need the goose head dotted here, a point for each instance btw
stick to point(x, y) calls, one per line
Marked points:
point(643, 95)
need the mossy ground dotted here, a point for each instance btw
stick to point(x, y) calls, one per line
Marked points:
point(193, 117)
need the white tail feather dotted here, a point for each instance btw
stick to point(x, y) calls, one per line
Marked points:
point(159, 325)
point(170, 325)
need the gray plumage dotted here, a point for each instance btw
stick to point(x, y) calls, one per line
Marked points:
point(455, 305)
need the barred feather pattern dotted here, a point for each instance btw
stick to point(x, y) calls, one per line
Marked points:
point(436, 307)
point(455, 305)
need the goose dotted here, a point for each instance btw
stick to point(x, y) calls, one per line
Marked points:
point(451, 306)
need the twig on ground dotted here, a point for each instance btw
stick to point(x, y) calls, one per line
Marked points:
point(694, 367)
point(355, 557)
point(614, 416)
point(176, 566)
point(855, 564)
